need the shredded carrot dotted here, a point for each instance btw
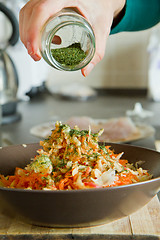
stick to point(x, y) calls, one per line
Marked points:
point(123, 162)
point(73, 159)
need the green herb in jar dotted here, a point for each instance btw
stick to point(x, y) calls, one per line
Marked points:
point(69, 56)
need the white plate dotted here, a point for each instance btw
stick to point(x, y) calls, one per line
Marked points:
point(143, 130)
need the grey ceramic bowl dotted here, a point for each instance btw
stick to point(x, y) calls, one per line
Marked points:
point(78, 207)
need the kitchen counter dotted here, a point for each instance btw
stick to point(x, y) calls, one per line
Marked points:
point(45, 107)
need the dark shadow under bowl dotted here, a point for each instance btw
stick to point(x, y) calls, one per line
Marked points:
point(78, 208)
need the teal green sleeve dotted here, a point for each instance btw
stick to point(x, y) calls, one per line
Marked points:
point(139, 15)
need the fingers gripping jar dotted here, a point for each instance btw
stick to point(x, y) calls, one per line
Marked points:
point(67, 41)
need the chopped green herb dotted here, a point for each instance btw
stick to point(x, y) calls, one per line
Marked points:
point(78, 132)
point(69, 56)
point(104, 149)
point(61, 164)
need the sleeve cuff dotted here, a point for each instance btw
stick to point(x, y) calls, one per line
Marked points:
point(123, 25)
point(139, 15)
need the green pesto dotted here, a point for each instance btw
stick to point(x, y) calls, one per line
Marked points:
point(69, 56)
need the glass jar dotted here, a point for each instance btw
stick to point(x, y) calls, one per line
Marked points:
point(73, 30)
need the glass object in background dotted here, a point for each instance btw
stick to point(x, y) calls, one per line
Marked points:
point(154, 65)
point(139, 114)
point(69, 85)
point(72, 30)
point(0, 114)
point(37, 74)
point(15, 5)
point(0, 122)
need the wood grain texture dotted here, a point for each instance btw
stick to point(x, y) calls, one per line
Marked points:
point(143, 224)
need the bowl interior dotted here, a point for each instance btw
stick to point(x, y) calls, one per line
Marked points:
point(20, 155)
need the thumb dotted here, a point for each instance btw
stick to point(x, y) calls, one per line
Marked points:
point(86, 70)
point(99, 53)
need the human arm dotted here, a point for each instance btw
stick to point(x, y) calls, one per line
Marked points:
point(100, 15)
point(139, 15)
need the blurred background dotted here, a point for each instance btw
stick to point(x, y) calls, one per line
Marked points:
point(125, 65)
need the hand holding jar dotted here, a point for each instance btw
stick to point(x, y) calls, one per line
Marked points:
point(55, 28)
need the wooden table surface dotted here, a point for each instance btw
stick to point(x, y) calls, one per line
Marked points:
point(143, 224)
